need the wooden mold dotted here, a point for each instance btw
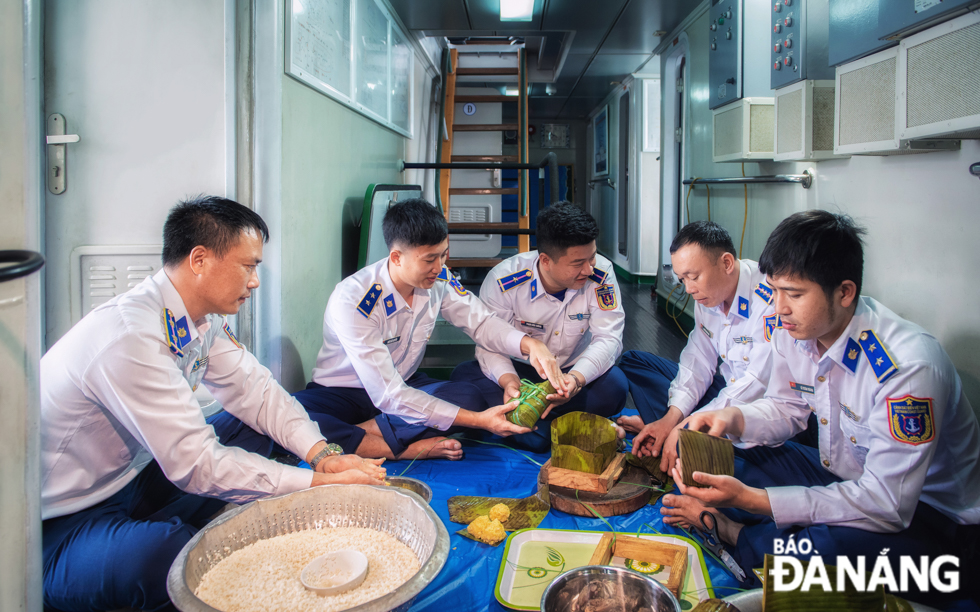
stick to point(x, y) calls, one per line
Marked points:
point(583, 481)
point(651, 551)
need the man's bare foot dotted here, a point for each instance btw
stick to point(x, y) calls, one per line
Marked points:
point(632, 424)
point(685, 511)
point(434, 448)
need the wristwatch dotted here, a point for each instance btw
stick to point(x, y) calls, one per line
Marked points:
point(329, 450)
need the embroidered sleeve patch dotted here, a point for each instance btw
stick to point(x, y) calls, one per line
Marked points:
point(772, 323)
point(231, 336)
point(457, 286)
point(911, 419)
point(173, 338)
point(606, 296)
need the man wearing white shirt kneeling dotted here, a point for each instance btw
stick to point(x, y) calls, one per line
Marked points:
point(130, 468)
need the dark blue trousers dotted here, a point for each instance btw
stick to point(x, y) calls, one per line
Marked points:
point(117, 553)
point(338, 411)
point(604, 396)
point(649, 378)
point(931, 533)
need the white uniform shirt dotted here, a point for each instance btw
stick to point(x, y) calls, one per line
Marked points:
point(584, 331)
point(118, 390)
point(894, 424)
point(373, 340)
point(739, 338)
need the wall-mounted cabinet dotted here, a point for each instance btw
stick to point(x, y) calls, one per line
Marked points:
point(805, 121)
point(743, 130)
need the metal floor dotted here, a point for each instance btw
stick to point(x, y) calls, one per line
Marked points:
point(646, 330)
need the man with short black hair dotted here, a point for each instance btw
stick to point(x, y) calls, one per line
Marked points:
point(375, 330)
point(731, 313)
point(566, 295)
point(897, 470)
point(130, 468)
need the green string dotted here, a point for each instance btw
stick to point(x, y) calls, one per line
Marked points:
point(600, 517)
point(461, 437)
point(409, 466)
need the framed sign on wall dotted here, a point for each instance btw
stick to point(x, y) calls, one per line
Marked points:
point(600, 142)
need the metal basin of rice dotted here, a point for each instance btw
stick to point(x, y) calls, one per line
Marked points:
point(397, 512)
point(412, 484)
point(622, 589)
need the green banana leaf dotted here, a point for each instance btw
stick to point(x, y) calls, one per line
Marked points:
point(700, 452)
point(583, 442)
point(532, 403)
point(525, 513)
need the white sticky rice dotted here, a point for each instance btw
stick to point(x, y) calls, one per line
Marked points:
point(264, 576)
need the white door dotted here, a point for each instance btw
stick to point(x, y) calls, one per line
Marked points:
point(148, 87)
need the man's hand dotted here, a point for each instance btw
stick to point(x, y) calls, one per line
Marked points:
point(511, 385)
point(724, 492)
point(544, 363)
point(342, 463)
point(573, 381)
point(493, 420)
point(725, 422)
point(651, 438)
point(345, 477)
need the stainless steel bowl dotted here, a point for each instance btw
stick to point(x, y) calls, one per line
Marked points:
point(397, 512)
point(412, 484)
point(571, 591)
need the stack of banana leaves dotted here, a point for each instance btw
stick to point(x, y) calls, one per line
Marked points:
point(700, 452)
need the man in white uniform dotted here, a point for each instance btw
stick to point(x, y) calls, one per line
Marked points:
point(375, 330)
point(130, 469)
point(733, 323)
point(897, 470)
point(567, 296)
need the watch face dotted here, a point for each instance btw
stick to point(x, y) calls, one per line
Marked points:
point(335, 449)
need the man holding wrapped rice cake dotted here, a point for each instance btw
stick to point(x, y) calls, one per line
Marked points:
point(733, 322)
point(130, 467)
point(567, 296)
point(375, 330)
point(897, 470)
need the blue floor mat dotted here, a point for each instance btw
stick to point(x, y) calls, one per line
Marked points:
point(467, 581)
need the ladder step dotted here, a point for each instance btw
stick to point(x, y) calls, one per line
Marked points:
point(484, 127)
point(483, 191)
point(485, 158)
point(465, 99)
point(484, 226)
point(473, 262)
point(485, 71)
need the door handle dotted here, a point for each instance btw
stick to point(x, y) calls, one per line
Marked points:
point(57, 156)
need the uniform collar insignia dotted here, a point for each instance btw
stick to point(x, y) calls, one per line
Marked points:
point(851, 352)
point(534, 288)
point(743, 307)
point(444, 274)
point(390, 307)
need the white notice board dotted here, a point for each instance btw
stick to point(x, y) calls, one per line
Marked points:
point(354, 52)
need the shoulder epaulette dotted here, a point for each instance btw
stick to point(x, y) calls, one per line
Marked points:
point(232, 337)
point(177, 332)
point(506, 283)
point(369, 301)
point(765, 292)
point(598, 276)
point(881, 362)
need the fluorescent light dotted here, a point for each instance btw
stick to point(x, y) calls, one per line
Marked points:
point(510, 91)
point(516, 10)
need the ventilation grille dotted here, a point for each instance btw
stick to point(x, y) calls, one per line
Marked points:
point(761, 124)
point(944, 78)
point(823, 119)
point(469, 214)
point(104, 276)
point(789, 133)
point(867, 104)
point(728, 132)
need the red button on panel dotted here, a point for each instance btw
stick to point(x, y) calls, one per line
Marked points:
point(788, 2)
point(788, 61)
point(777, 7)
point(777, 65)
point(788, 43)
point(788, 21)
point(777, 48)
point(776, 28)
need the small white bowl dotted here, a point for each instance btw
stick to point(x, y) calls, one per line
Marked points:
point(335, 572)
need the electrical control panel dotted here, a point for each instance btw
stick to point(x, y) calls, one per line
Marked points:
point(725, 52)
point(855, 31)
point(900, 18)
point(799, 42)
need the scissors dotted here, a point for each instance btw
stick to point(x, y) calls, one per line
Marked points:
point(713, 543)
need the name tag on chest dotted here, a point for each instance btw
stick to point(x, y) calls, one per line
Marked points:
point(801, 388)
point(392, 340)
point(532, 325)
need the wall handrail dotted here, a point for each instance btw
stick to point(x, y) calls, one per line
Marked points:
point(550, 160)
point(25, 263)
point(805, 179)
